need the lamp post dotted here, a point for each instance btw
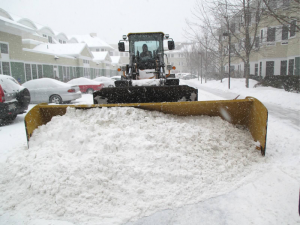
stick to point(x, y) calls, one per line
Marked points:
point(201, 66)
point(229, 43)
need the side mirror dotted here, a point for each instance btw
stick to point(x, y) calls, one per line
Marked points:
point(171, 45)
point(121, 47)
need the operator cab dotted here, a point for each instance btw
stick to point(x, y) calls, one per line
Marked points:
point(146, 51)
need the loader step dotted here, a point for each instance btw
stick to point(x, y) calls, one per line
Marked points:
point(145, 94)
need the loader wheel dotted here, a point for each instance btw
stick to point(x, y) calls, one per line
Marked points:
point(55, 99)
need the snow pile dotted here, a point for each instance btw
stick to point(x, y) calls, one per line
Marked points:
point(112, 165)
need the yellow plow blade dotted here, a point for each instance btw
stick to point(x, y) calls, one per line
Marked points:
point(248, 112)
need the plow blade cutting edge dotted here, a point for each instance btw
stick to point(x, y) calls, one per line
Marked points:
point(248, 112)
point(145, 94)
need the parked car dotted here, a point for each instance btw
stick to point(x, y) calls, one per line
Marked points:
point(52, 91)
point(87, 85)
point(106, 81)
point(14, 99)
point(116, 77)
point(189, 76)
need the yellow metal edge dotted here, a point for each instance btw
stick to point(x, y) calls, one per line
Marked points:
point(249, 112)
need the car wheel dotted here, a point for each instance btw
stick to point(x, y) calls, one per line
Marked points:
point(23, 97)
point(55, 99)
point(90, 91)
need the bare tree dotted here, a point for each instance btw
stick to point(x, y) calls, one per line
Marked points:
point(285, 12)
point(235, 17)
point(203, 29)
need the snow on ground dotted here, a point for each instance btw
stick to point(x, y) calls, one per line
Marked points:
point(82, 180)
point(275, 96)
point(119, 169)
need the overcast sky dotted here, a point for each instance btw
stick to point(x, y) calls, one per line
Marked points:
point(110, 19)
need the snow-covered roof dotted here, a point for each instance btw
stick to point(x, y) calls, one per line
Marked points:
point(72, 49)
point(27, 22)
point(14, 24)
point(72, 40)
point(6, 14)
point(100, 56)
point(115, 59)
point(91, 41)
point(61, 34)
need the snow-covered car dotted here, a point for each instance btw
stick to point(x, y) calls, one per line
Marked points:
point(87, 85)
point(189, 77)
point(52, 91)
point(116, 77)
point(107, 81)
point(14, 99)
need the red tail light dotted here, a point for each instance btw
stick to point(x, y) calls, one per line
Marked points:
point(2, 96)
point(71, 90)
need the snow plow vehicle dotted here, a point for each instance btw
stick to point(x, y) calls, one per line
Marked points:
point(164, 94)
point(146, 61)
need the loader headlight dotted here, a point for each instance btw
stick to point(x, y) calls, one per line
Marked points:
point(124, 37)
point(167, 36)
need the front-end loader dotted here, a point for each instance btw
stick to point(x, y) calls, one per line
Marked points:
point(146, 61)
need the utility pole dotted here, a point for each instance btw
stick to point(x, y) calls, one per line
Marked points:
point(229, 43)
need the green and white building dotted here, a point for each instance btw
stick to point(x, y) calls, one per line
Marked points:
point(30, 51)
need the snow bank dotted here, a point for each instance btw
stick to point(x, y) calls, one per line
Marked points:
point(112, 165)
point(280, 97)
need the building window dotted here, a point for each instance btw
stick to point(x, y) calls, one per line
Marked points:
point(256, 69)
point(283, 67)
point(44, 35)
point(271, 34)
point(5, 68)
point(291, 67)
point(285, 32)
point(34, 71)
point(261, 35)
point(64, 42)
point(28, 72)
point(40, 71)
point(97, 49)
point(4, 48)
point(293, 29)
point(260, 69)
point(49, 39)
point(270, 68)
point(60, 41)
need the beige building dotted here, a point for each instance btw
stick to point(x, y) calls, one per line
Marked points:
point(276, 49)
point(29, 50)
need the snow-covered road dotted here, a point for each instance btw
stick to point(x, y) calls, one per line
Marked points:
point(268, 195)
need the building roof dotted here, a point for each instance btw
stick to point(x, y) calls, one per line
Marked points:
point(101, 57)
point(13, 24)
point(91, 41)
point(71, 49)
point(115, 59)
